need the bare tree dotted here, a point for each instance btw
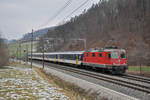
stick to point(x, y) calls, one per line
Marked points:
point(3, 53)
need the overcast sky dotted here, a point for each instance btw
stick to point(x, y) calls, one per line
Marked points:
point(18, 17)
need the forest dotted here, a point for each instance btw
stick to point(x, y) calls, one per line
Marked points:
point(123, 23)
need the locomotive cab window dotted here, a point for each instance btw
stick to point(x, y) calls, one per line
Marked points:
point(122, 55)
point(109, 55)
point(100, 55)
point(93, 54)
point(87, 54)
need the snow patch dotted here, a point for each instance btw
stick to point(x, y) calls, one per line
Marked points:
point(20, 82)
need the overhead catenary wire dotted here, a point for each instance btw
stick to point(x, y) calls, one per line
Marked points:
point(76, 9)
point(56, 14)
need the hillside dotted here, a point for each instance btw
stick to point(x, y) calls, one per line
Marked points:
point(13, 45)
point(124, 23)
point(37, 33)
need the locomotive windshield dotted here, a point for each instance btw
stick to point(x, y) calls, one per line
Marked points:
point(122, 55)
point(114, 55)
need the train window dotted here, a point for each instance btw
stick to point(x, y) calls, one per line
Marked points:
point(51, 56)
point(64, 56)
point(56, 56)
point(74, 56)
point(61, 56)
point(87, 54)
point(80, 57)
point(93, 54)
point(100, 55)
point(109, 55)
point(122, 55)
point(71, 57)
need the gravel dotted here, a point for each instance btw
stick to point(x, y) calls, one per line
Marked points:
point(89, 84)
point(121, 89)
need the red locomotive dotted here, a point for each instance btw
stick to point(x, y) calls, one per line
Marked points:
point(109, 59)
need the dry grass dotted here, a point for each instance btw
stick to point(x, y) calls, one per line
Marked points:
point(18, 64)
point(71, 90)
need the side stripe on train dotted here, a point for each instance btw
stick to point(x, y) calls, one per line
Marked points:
point(76, 59)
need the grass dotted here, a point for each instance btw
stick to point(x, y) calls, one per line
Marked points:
point(12, 47)
point(18, 64)
point(137, 68)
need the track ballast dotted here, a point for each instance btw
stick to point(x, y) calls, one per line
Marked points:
point(109, 78)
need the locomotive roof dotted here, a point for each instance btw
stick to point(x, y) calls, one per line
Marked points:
point(106, 50)
point(67, 52)
point(123, 50)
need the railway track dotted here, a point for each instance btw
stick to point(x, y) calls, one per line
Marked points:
point(105, 78)
point(137, 78)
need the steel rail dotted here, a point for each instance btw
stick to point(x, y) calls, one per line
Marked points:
point(136, 78)
point(124, 83)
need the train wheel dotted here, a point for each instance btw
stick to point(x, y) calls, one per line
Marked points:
point(103, 70)
point(113, 72)
point(122, 71)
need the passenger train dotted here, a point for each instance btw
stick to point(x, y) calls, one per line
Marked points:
point(109, 59)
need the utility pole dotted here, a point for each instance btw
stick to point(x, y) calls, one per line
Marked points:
point(17, 53)
point(20, 50)
point(24, 59)
point(43, 52)
point(26, 53)
point(43, 56)
point(31, 46)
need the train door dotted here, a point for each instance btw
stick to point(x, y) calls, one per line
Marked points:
point(100, 58)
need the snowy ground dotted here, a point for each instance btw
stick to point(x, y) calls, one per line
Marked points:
point(25, 84)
